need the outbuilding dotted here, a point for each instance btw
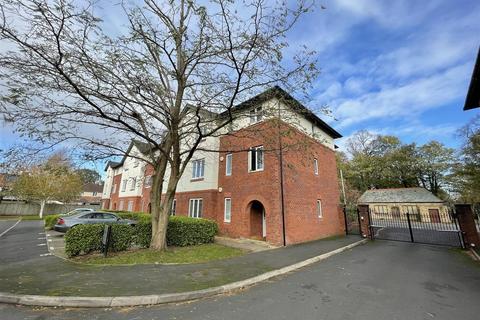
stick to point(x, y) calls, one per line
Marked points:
point(395, 203)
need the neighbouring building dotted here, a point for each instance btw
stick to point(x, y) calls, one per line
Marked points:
point(393, 204)
point(472, 99)
point(257, 183)
point(91, 193)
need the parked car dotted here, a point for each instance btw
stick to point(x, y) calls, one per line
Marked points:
point(66, 222)
point(77, 210)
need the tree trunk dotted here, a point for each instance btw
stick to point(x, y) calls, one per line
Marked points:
point(163, 206)
point(42, 207)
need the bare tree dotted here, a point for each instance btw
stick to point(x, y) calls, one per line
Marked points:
point(170, 80)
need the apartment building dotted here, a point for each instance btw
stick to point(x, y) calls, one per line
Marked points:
point(271, 175)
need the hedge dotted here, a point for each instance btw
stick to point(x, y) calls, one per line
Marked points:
point(85, 238)
point(51, 220)
point(181, 231)
point(186, 231)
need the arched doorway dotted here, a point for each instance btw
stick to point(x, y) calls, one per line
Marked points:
point(258, 228)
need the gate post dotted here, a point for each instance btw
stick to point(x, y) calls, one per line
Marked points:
point(364, 217)
point(467, 225)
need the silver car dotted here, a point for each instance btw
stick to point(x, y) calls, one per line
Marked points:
point(66, 222)
point(78, 210)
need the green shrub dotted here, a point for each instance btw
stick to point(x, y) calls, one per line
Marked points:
point(122, 237)
point(51, 220)
point(181, 232)
point(186, 231)
point(83, 239)
point(143, 234)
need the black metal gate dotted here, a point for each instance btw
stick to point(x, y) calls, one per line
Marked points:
point(352, 220)
point(436, 226)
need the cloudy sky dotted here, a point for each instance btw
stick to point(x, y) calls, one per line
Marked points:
point(391, 67)
point(395, 67)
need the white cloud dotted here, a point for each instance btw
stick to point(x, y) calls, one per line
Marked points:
point(406, 100)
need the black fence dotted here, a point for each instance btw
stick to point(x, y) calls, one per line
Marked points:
point(434, 227)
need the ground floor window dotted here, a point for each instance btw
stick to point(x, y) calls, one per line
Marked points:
point(380, 210)
point(130, 205)
point(120, 206)
point(228, 210)
point(319, 209)
point(195, 208)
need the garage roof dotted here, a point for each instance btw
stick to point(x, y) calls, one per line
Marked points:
point(398, 195)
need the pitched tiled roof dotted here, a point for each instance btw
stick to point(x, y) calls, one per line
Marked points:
point(92, 187)
point(398, 195)
point(278, 92)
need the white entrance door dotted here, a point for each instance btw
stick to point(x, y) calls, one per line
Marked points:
point(264, 225)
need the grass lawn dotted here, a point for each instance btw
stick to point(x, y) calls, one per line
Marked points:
point(193, 254)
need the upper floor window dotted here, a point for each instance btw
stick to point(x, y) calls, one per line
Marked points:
point(114, 188)
point(255, 159)
point(133, 183)
point(228, 164)
point(198, 168)
point(148, 182)
point(195, 208)
point(315, 166)
point(135, 163)
point(256, 115)
point(124, 185)
point(319, 209)
point(173, 210)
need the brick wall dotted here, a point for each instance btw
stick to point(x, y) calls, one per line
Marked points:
point(302, 189)
point(243, 187)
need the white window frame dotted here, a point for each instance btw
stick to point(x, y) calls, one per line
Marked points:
point(319, 209)
point(227, 211)
point(130, 206)
point(315, 166)
point(120, 205)
point(228, 164)
point(114, 189)
point(148, 182)
point(256, 115)
point(136, 162)
point(195, 207)
point(262, 162)
point(173, 209)
point(198, 169)
point(133, 184)
point(124, 185)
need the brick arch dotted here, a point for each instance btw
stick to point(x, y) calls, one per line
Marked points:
point(248, 201)
point(255, 216)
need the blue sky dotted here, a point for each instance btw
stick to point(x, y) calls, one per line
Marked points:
point(395, 67)
point(390, 67)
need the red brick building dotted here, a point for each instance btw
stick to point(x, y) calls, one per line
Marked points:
point(273, 176)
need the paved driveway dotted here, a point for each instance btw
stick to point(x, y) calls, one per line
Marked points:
point(22, 242)
point(380, 280)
